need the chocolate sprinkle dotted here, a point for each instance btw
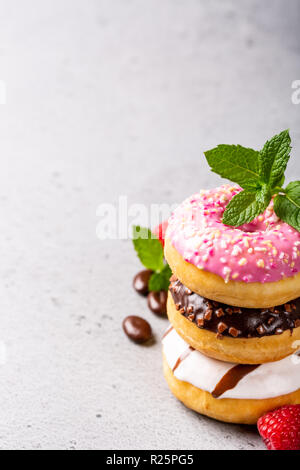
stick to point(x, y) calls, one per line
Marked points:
point(222, 327)
point(240, 322)
point(261, 330)
point(234, 332)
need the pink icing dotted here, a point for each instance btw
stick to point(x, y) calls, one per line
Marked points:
point(266, 250)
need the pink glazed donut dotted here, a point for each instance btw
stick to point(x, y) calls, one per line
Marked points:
point(256, 265)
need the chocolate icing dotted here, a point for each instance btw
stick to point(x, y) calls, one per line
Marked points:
point(226, 320)
point(183, 356)
point(232, 378)
point(167, 332)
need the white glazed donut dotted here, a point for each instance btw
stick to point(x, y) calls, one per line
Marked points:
point(265, 381)
point(228, 392)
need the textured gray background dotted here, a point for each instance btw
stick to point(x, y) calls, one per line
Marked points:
point(107, 98)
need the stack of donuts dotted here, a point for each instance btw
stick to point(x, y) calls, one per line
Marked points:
point(232, 349)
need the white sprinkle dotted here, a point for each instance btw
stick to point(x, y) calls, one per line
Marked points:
point(223, 244)
point(260, 263)
point(243, 261)
point(226, 272)
point(246, 242)
point(236, 250)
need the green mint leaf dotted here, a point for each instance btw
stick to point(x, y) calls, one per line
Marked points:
point(160, 281)
point(236, 163)
point(148, 248)
point(274, 158)
point(264, 196)
point(245, 206)
point(287, 206)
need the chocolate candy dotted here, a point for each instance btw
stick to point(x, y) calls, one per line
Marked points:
point(141, 280)
point(137, 329)
point(157, 302)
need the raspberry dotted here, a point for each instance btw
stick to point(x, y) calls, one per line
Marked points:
point(280, 429)
point(160, 231)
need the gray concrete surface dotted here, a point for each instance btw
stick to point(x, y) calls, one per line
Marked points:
point(107, 98)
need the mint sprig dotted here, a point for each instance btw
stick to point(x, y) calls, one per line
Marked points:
point(148, 248)
point(151, 255)
point(236, 163)
point(261, 175)
point(273, 159)
point(160, 280)
point(244, 207)
point(287, 205)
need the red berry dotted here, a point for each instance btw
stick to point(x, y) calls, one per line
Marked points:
point(280, 429)
point(160, 231)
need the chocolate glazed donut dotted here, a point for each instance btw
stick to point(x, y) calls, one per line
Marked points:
point(225, 320)
point(228, 336)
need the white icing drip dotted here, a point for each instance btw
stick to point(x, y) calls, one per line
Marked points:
point(267, 381)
